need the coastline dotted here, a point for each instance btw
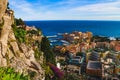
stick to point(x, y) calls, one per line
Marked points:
point(58, 39)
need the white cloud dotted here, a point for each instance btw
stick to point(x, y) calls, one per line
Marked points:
point(112, 7)
point(98, 11)
point(22, 8)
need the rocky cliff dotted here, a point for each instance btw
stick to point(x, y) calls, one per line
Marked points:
point(20, 56)
point(3, 6)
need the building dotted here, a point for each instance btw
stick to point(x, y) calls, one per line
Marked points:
point(117, 70)
point(102, 44)
point(77, 36)
point(110, 58)
point(74, 69)
point(90, 35)
point(94, 56)
point(28, 28)
point(117, 47)
point(95, 68)
point(78, 60)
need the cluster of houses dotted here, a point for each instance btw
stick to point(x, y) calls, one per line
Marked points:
point(86, 43)
point(96, 64)
point(105, 66)
point(28, 28)
point(77, 36)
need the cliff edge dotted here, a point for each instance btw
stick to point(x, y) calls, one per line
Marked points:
point(15, 54)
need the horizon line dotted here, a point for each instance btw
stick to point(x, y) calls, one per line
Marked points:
point(71, 20)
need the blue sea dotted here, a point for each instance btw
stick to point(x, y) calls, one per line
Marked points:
point(54, 28)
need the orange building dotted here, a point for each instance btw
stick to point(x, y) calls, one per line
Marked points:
point(117, 47)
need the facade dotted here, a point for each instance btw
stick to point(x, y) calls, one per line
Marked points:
point(28, 28)
point(94, 56)
point(117, 70)
point(77, 36)
point(102, 44)
point(117, 47)
point(95, 68)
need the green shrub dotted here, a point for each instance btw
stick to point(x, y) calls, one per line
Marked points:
point(32, 32)
point(19, 22)
point(38, 53)
point(10, 74)
point(48, 71)
point(20, 34)
point(71, 77)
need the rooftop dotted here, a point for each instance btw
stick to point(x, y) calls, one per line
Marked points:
point(94, 56)
point(94, 65)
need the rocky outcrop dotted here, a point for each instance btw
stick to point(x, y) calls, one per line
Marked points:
point(20, 56)
point(3, 6)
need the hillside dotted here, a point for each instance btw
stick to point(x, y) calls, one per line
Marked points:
point(22, 55)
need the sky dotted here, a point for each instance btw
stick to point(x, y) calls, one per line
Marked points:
point(66, 9)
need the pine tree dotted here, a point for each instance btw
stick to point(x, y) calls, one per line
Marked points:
point(48, 52)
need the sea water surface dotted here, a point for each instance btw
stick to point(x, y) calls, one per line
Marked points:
point(53, 28)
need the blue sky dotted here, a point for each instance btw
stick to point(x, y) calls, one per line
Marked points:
point(66, 9)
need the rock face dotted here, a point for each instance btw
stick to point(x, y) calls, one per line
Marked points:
point(12, 53)
point(3, 6)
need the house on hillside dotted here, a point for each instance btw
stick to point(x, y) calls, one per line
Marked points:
point(95, 69)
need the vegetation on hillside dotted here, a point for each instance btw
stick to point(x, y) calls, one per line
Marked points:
point(20, 33)
point(19, 22)
point(48, 52)
point(10, 74)
point(72, 76)
point(51, 71)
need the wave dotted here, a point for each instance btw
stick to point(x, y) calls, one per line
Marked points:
point(60, 34)
point(112, 38)
point(65, 41)
point(53, 40)
point(52, 36)
point(51, 44)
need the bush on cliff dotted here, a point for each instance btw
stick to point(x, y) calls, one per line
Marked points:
point(20, 33)
point(10, 74)
point(19, 22)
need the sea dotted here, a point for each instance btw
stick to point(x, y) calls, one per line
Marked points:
point(54, 29)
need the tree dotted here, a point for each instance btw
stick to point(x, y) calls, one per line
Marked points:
point(72, 77)
point(48, 52)
point(79, 54)
point(8, 6)
point(19, 22)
